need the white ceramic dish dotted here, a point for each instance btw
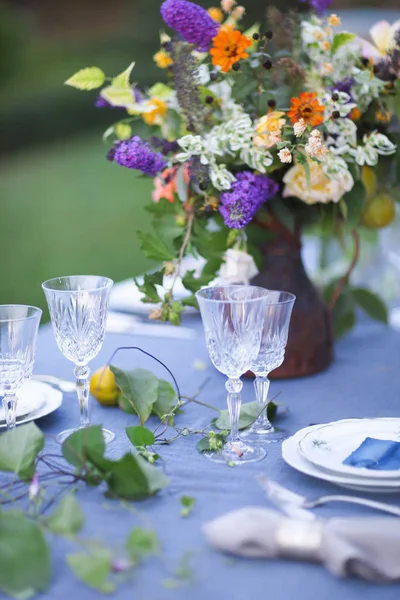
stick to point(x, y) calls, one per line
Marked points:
point(292, 456)
point(329, 445)
point(35, 400)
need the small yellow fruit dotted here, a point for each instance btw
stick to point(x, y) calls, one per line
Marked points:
point(379, 212)
point(104, 388)
point(369, 181)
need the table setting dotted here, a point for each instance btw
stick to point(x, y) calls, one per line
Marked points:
point(207, 427)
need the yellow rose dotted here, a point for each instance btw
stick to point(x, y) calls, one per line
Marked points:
point(268, 129)
point(156, 115)
point(321, 189)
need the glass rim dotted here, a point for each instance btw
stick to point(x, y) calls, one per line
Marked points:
point(46, 284)
point(36, 312)
point(198, 294)
point(291, 299)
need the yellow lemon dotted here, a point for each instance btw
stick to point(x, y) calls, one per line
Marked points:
point(103, 387)
point(379, 212)
point(369, 181)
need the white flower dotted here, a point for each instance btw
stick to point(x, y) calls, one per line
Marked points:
point(315, 148)
point(257, 158)
point(220, 177)
point(381, 142)
point(285, 156)
point(375, 144)
point(238, 267)
point(203, 75)
point(227, 5)
point(320, 188)
point(191, 145)
point(299, 127)
point(343, 104)
point(335, 166)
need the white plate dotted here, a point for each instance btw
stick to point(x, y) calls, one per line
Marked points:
point(292, 456)
point(40, 398)
point(329, 445)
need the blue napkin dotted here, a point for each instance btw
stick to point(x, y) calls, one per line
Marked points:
point(380, 455)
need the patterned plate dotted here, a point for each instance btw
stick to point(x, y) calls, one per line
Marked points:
point(35, 400)
point(329, 445)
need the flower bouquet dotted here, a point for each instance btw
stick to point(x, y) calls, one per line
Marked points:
point(254, 134)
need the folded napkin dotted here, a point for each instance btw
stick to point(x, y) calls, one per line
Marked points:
point(368, 548)
point(380, 455)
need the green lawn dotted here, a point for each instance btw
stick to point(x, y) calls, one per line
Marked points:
point(65, 210)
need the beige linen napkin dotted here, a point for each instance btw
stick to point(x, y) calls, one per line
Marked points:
point(365, 547)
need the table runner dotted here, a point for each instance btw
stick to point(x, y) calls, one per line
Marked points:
point(363, 381)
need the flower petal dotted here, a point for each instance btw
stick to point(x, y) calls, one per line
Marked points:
point(381, 34)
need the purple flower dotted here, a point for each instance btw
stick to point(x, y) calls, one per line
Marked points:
point(137, 154)
point(344, 85)
point(247, 193)
point(34, 487)
point(191, 21)
point(102, 102)
point(319, 5)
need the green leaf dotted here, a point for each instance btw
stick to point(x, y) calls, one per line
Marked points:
point(19, 448)
point(165, 400)
point(181, 185)
point(140, 436)
point(282, 213)
point(123, 131)
point(122, 80)
point(142, 543)
point(148, 287)
point(68, 518)
point(140, 388)
point(93, 569)
point(354, 200)
point(248, 412)
point(133, 478)
point(343, 208)
point(203, 444)
point(87, 79)
point(84, 446)
point(190, 301)
point(24, 556)
point(160, 90)
point(119, 96)
point(340, 40)
point(344, 315)
point(154, 247)
point(371, 303)
point(187, 503)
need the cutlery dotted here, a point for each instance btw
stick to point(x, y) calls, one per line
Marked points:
point(296, 505)
point(64, 386)
point(131, 325)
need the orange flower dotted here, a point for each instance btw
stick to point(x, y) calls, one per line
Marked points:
point(165, 184)
point(229, 46)
point(156, 115)
point(216, 14)
point(306, 107)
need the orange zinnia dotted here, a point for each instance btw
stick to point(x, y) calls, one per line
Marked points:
point(229, 46)
point(306, 107)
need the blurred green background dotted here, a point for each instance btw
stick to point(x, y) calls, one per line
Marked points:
point(63, 208)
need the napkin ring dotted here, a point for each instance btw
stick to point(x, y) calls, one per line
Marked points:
point(301, 539)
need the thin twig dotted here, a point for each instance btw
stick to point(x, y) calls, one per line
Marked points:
point(342, 282)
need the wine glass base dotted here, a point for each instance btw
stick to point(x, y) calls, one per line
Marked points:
point(108, 435)
point(263, 436)
point(236, 454)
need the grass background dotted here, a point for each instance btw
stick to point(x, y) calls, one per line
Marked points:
point(66, 210)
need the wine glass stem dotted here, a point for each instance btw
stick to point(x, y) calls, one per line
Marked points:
point(234, 387)
point(261, 387)
point(82, 389)
point(10, 408)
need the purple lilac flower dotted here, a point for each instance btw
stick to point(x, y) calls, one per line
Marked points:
point(249, 191)
point(191, 21)
point(137, 154)
point(319, 6)
point(165, 146)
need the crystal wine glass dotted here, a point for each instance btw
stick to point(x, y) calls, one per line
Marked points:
point(233, 317)
point(78, 310)
point(19, 326)
point(275, 331)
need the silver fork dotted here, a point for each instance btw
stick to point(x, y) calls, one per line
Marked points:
point(296, 505)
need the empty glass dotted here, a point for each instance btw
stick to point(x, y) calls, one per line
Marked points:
point(275, 331)
point(19, 326)
point(78, 309)
point(233, 318)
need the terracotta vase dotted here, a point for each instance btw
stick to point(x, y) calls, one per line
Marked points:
point(310, 344)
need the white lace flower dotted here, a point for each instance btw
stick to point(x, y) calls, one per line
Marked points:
point(315, 147)
point(299, 127)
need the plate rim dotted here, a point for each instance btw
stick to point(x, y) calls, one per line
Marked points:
point(358, 472)
point(291, 445)
point(45, 409)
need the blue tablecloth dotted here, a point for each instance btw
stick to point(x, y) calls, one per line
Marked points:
point(363, 381)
